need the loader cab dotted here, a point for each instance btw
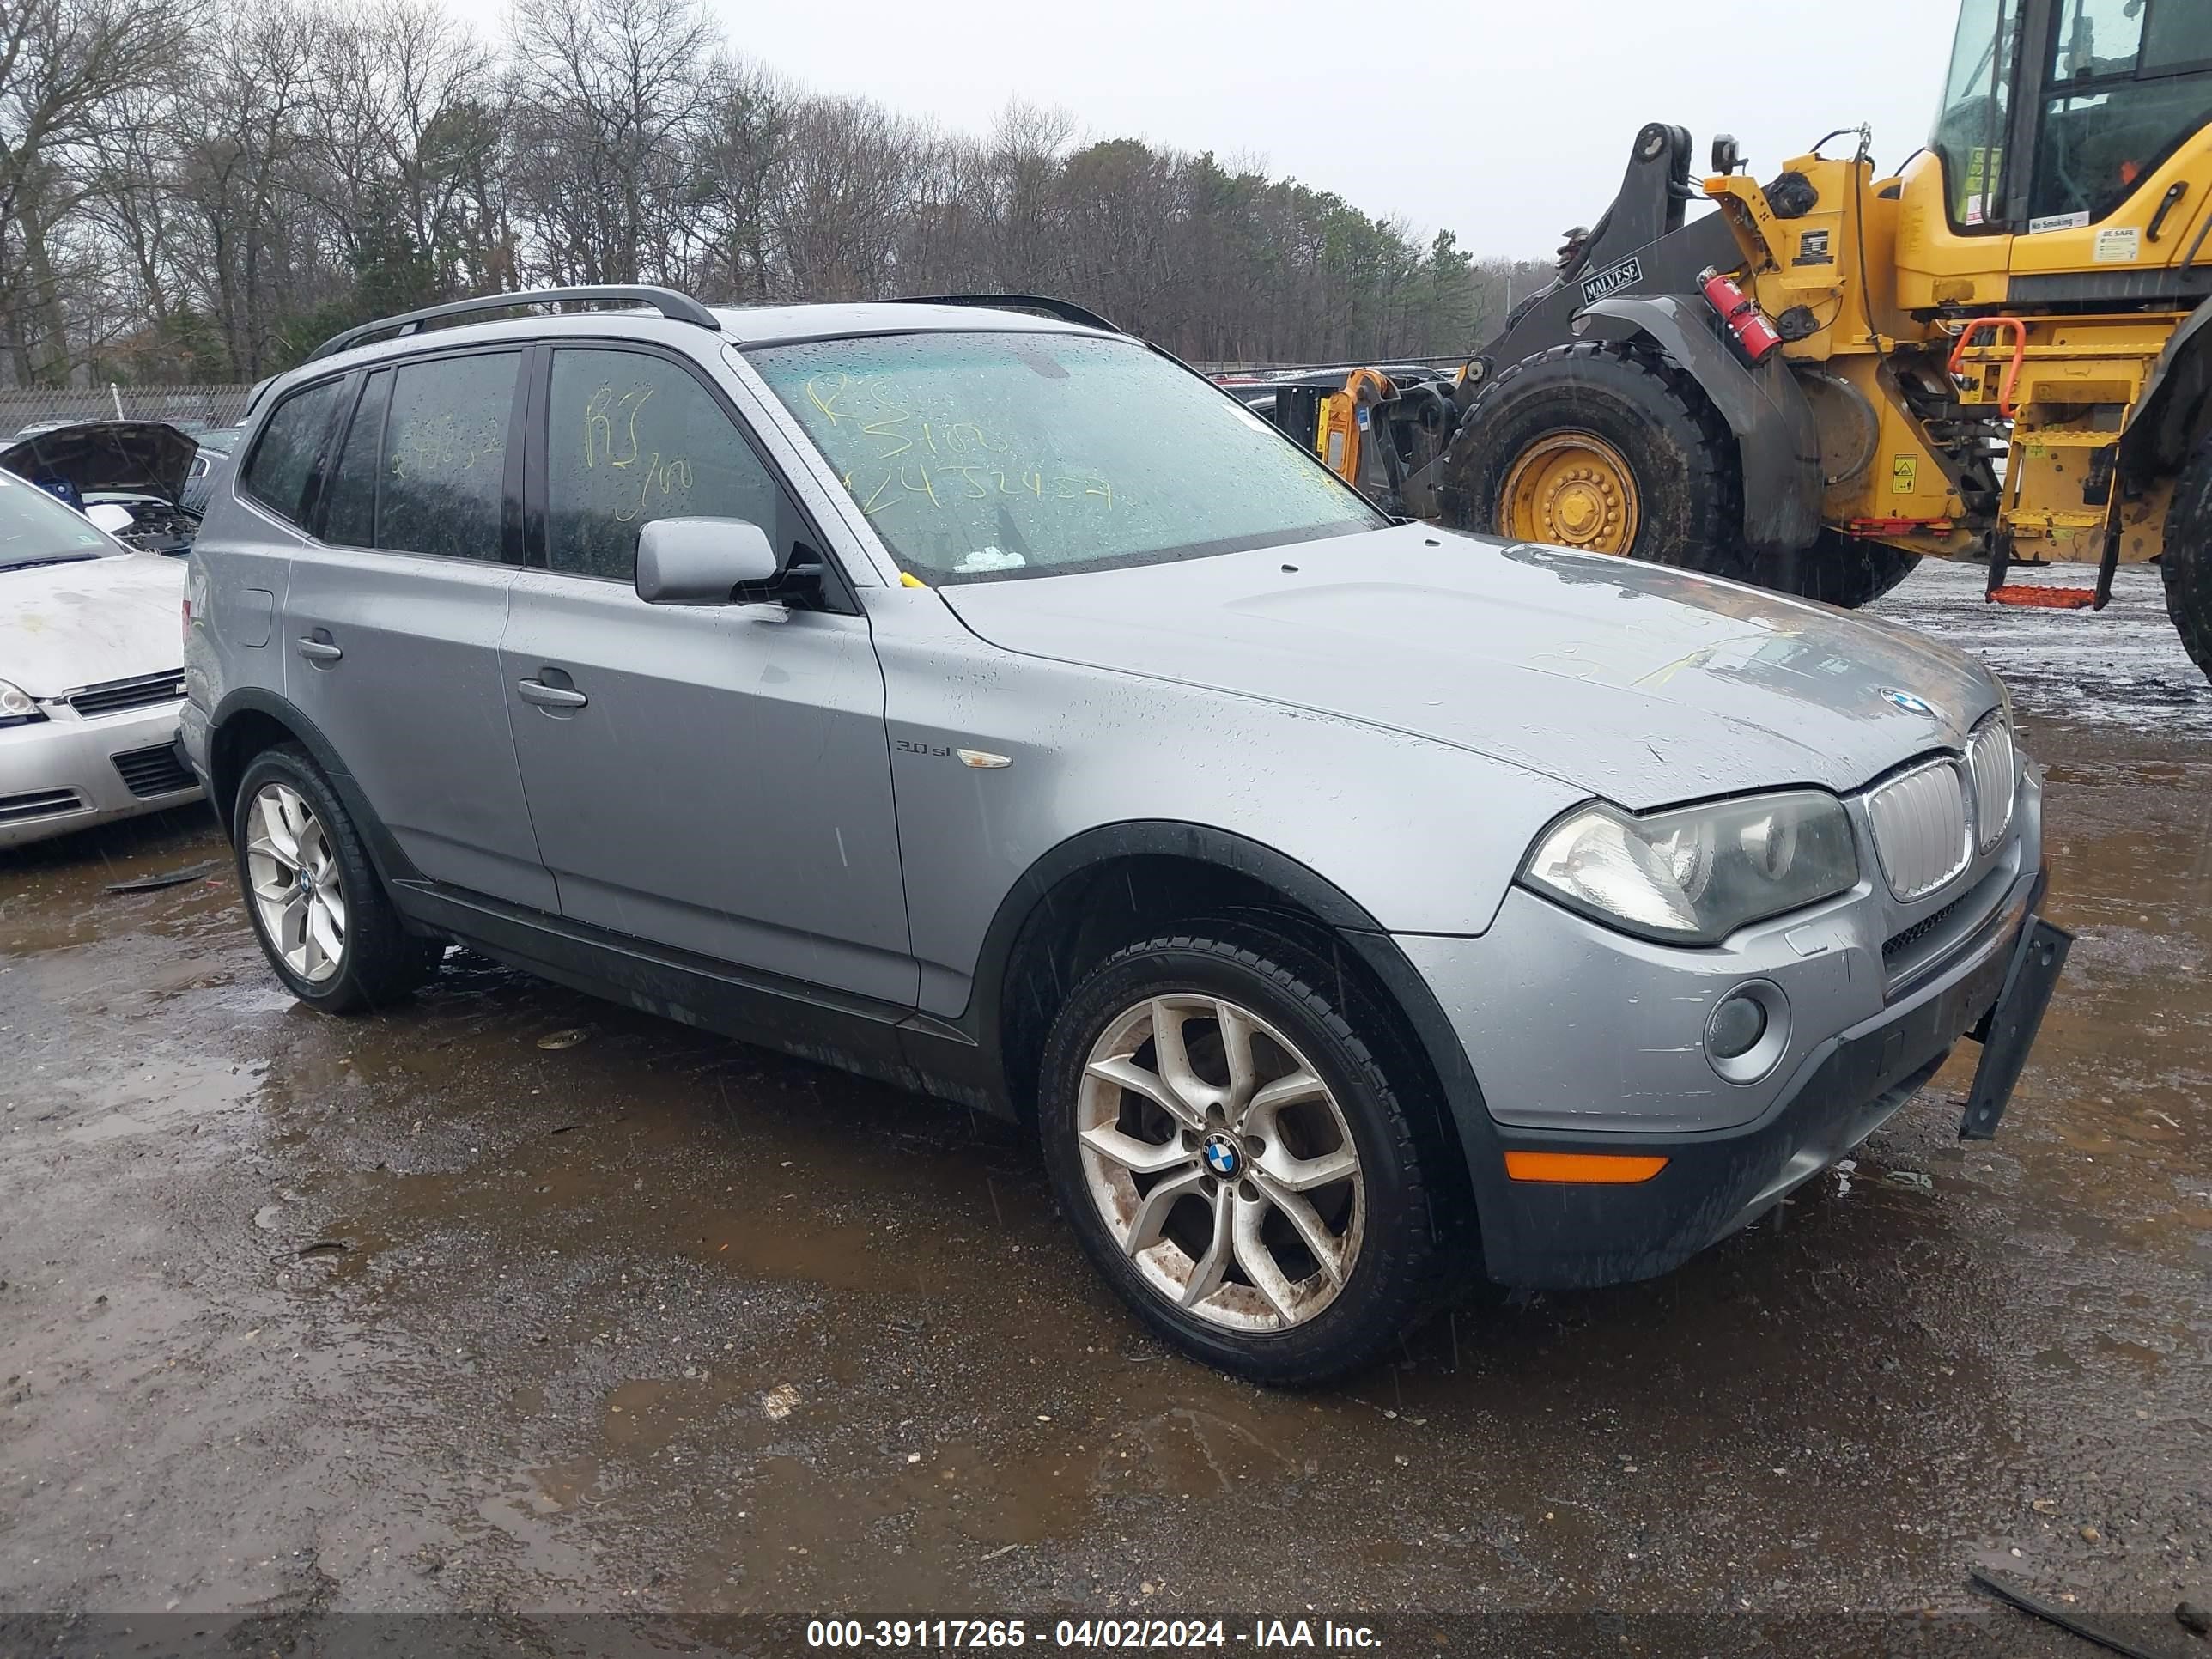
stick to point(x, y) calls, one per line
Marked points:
point(2095, 95)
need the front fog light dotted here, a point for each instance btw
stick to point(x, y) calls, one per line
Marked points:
point(1748, 1031)
point(1737, 1025)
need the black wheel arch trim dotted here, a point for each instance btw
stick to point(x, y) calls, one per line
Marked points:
point(2155, 441)
point(1777, 437)
point(1139, 838)
point(1460, 1097)
point(392, 865)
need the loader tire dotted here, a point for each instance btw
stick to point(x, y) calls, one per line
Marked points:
point(1603, 447)
point(1836, 570)
point(2185, 564)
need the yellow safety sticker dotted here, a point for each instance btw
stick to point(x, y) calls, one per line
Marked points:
point(1905, 474)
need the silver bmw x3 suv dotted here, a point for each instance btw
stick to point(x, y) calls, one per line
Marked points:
point(971, 696)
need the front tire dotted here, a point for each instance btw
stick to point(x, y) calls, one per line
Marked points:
point(320, 913)
point(2185, 563)
point(1603, 449)
point(1234, 1159)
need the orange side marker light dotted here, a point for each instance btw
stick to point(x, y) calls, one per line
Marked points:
point(1607, 1168)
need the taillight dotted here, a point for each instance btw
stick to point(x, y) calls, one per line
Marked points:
point(188, 619)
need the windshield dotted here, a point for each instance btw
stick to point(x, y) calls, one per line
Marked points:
point(1970, 130)
point(2130, 81)
point(35, 529)
point(986, 456)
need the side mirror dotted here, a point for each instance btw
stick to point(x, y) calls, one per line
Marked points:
point(700, 561)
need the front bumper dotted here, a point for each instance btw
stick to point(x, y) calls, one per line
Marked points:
point(1578, 1040)
point(1542, 1234)
point(67, 773)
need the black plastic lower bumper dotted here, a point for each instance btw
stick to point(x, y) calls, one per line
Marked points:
point(1558, 1235)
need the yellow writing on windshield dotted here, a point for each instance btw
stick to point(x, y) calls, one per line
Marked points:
point(892, 453)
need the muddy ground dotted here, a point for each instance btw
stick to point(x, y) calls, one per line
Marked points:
point(514, 1303)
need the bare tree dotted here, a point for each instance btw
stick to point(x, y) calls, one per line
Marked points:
point(132, 167)
point(743, 138)
point(607, 97)
point(67, 68)
point(241, 177)
point(851, 166)
point(187, 195)
point(1025, 149)
point(393, 77)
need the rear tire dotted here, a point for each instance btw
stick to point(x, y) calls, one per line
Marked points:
point(1836, 569)
point(2185, 563)
point(321, 914)
point(1222, 1263)
point(1687, 498)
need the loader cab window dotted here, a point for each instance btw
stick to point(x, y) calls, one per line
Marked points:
point(2130, 81)
point(1970, 131)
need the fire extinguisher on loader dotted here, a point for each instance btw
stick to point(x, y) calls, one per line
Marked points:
point(1755, 337)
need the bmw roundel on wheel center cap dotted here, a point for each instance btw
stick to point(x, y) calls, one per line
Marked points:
point(1222, 1157)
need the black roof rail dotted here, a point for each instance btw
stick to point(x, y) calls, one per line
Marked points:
point(1066, 310)
point(677, 307)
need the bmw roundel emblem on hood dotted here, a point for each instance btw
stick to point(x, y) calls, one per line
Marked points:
point(1908, 702)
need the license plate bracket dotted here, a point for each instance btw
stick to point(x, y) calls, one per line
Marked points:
point(2008, 1032)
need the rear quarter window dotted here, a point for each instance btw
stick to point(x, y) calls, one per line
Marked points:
point(288, 453)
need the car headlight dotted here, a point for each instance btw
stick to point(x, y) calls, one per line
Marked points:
point(17, 705)
point(1695, 875)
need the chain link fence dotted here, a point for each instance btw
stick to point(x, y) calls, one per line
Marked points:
point(192, 407)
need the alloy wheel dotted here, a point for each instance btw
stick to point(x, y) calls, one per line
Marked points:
point(1220, 1161)
point(293, 869)
point(1572, 489)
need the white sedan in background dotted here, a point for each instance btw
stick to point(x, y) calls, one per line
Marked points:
point(90, 673)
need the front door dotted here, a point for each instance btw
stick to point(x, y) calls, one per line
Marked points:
point(698, 777)
point(392, 615)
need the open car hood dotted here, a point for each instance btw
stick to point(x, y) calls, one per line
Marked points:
point(148, 458)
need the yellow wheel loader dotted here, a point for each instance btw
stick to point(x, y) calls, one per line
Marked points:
point(2001, 352)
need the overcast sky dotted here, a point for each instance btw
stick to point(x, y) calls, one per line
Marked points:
point(1504, 122)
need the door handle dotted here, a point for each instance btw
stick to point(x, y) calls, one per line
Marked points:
point(2174, 194)
point(317, 647)
point(550, 697)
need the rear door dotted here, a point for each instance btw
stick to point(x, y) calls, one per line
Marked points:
point(393, 614)
point(708, 778)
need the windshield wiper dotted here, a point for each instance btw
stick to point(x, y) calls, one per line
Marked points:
point(59, 558)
